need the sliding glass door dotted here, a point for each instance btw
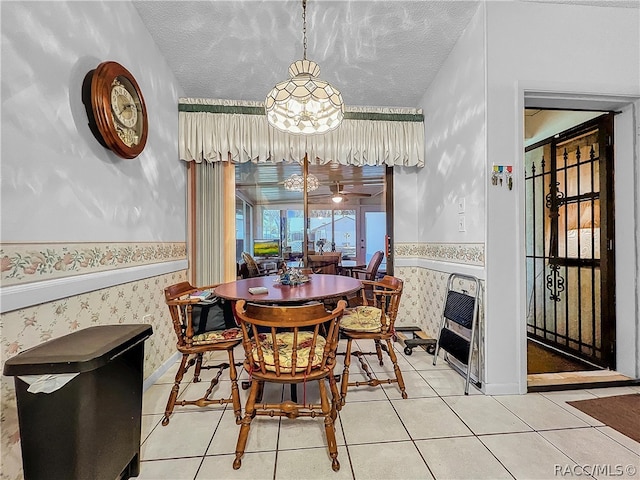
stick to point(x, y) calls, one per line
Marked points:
point(374, 238)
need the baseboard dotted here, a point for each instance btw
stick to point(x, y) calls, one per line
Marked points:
point(502, 389)
point(153, 378)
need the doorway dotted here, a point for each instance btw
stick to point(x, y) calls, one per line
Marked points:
point(347, 209)
point(570, 264)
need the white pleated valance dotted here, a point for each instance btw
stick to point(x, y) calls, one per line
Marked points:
point(230, 130)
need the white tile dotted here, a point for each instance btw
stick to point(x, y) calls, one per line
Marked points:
point(311, 463)
point(447, 382)
point(187, 434)
point(306, 432)
point(526, 455)
point(387, 364)
point(484, 414)
point(195, 391)
point(255, 466)
point(416, 386)
point(362, 393)
point(207, 374)
point(539, 412)
point(154, 399)
point(562, 397)
point(590, 447)
point(149, 422)
point(421, 360)
point(429, 418)
point(170, 375)
point(263, 435)
point(611, 391)
point(393, 460)
point(371, 422)
point(460, 458)
point(622, 439)
point(376, 430)
point(175, 469)
point(271, 393)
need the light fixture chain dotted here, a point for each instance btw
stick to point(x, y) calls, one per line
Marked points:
point(304, 29)
point(304, 104)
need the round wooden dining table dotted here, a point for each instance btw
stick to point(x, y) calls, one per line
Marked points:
point(319, 287)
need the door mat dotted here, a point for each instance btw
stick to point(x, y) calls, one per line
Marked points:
point(621, 412)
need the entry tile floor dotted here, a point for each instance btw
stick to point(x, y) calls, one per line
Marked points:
point(437, 432)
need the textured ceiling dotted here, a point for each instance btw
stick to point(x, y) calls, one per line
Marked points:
point(377, 53)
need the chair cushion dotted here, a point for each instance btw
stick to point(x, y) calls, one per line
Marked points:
point(217, 336)
point(361, 319)
point(285, 350)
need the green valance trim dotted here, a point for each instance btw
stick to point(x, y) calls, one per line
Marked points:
point(384, 117)
point(248, 110)
point(241, 109)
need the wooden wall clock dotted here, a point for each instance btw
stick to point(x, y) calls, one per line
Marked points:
point(116, 110)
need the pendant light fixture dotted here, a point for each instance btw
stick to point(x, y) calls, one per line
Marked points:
point(304, 104)
point(295, 183)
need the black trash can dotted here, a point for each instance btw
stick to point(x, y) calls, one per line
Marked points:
point(88, 429)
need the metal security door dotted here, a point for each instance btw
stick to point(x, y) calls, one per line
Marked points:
point(570, 240)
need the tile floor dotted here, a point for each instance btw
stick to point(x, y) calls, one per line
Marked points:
point(436, 433)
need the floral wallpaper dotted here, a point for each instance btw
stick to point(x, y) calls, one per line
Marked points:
point(141, 301)
point(24, 263)
point(467, 253)
point(425, 289)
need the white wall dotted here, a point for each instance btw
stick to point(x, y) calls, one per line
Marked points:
point(455, 145)
point(58, 183)
point(566, 48)
point(406, 203)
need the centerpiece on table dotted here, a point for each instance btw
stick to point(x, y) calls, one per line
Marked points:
point(292, 276)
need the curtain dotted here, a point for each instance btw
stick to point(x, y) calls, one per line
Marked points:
point(219, 130)
point(214, 235)
point(215, 134)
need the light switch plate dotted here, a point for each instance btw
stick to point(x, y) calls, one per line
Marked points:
point(462, 227)
point(461, 203)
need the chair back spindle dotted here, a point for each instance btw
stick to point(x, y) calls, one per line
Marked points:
point(290, 345)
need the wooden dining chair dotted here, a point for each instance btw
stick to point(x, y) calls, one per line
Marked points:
point(372, 267)
point(194, 340)
point(328, 263)
point(286, 345)
point(373, 320)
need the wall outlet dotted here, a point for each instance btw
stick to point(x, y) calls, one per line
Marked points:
point(462, 227)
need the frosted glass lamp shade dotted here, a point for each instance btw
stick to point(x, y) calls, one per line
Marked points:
point(304, 104)
point(295, 183)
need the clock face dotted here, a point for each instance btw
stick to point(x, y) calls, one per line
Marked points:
point(125, 111)
point(116, 109)
point(123, 105)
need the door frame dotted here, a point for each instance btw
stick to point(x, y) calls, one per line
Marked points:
point(606, 261)
point(627, 171)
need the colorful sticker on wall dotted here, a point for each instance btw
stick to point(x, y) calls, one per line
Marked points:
point(502, 175)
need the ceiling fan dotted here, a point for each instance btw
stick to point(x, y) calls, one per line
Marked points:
point(339, 194)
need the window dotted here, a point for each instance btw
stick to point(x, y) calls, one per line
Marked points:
point(356, 227)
